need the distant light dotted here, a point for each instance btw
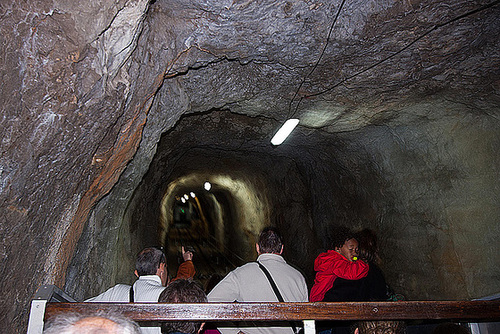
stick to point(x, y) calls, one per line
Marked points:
point(183, 200)
point(193, 195)
point(186, 196)
point(284, 131)
point(207, 186)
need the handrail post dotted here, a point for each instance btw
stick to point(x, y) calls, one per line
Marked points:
point(44, 294)
point(309, 327)
point(37, 312)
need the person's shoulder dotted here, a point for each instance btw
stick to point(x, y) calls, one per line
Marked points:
point(247, 266)
point(277, 262)
point(120, 288)
point(246, 270)
point(294, 270)
point(119, 292)
point(329, 255)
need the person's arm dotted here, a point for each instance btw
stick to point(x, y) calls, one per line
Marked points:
point(350, 270)
point(325, 263)
point(186, 268)
point(332, 263)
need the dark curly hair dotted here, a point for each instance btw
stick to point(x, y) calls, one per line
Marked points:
point(368, 249)
point(380, 327)
point(182, 291)
point(339, 236)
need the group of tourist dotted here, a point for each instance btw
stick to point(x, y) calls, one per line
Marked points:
point(347, 272)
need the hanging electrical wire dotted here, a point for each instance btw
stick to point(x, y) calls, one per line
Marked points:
point(407, 46)
point(315, 65)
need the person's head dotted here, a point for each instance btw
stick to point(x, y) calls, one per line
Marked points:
point(269, 241)
point(345, 243)
point(99, 323)
point(349, 249)
point(182, 291)
point(368, 249)
point(380, 327)
point(152, 261)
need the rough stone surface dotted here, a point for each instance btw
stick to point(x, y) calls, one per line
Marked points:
point(104, 104)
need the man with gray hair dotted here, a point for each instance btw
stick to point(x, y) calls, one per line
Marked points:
point(100, 323)
point(151, 270)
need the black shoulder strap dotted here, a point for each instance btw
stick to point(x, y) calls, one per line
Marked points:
point(273, 285)
point(276, 291)
point(131, 294)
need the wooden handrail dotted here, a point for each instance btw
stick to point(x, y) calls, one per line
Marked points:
point(403, 310)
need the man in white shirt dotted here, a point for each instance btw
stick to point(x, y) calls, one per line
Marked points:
point(151, 270)
point(249, 283)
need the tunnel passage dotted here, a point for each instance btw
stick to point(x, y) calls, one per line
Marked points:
point(300, 187)
point(217, 147)
point(218, 224)
point(374, 178)
point(253, 185)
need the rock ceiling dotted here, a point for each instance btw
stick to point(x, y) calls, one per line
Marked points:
point(337, 65)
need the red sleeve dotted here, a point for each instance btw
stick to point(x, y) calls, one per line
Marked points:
point(186, 270)
point(325, 263)
point(351, 270)
point(335, 264)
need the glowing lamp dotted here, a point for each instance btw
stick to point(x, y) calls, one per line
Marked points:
point(284, 131)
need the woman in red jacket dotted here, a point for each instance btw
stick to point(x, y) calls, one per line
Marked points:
point(340, 262)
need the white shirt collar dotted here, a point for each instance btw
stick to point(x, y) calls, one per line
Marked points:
point(150, 278)
point(271, 256)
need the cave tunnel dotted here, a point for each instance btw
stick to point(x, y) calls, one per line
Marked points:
point(112, 113)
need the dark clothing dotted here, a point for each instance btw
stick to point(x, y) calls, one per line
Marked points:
point(373, 287)
point(343, 290)
point(367, 289)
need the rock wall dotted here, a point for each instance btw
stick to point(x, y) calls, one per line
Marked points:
point(67, 133)
point(441, 180)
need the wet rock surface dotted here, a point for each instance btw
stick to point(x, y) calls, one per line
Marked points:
point(104, 104)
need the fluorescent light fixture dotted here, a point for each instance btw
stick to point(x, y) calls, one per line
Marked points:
point(193, 195)
point(284, 131)
point(186, 196)
point(183, 200)
point(207, 186)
